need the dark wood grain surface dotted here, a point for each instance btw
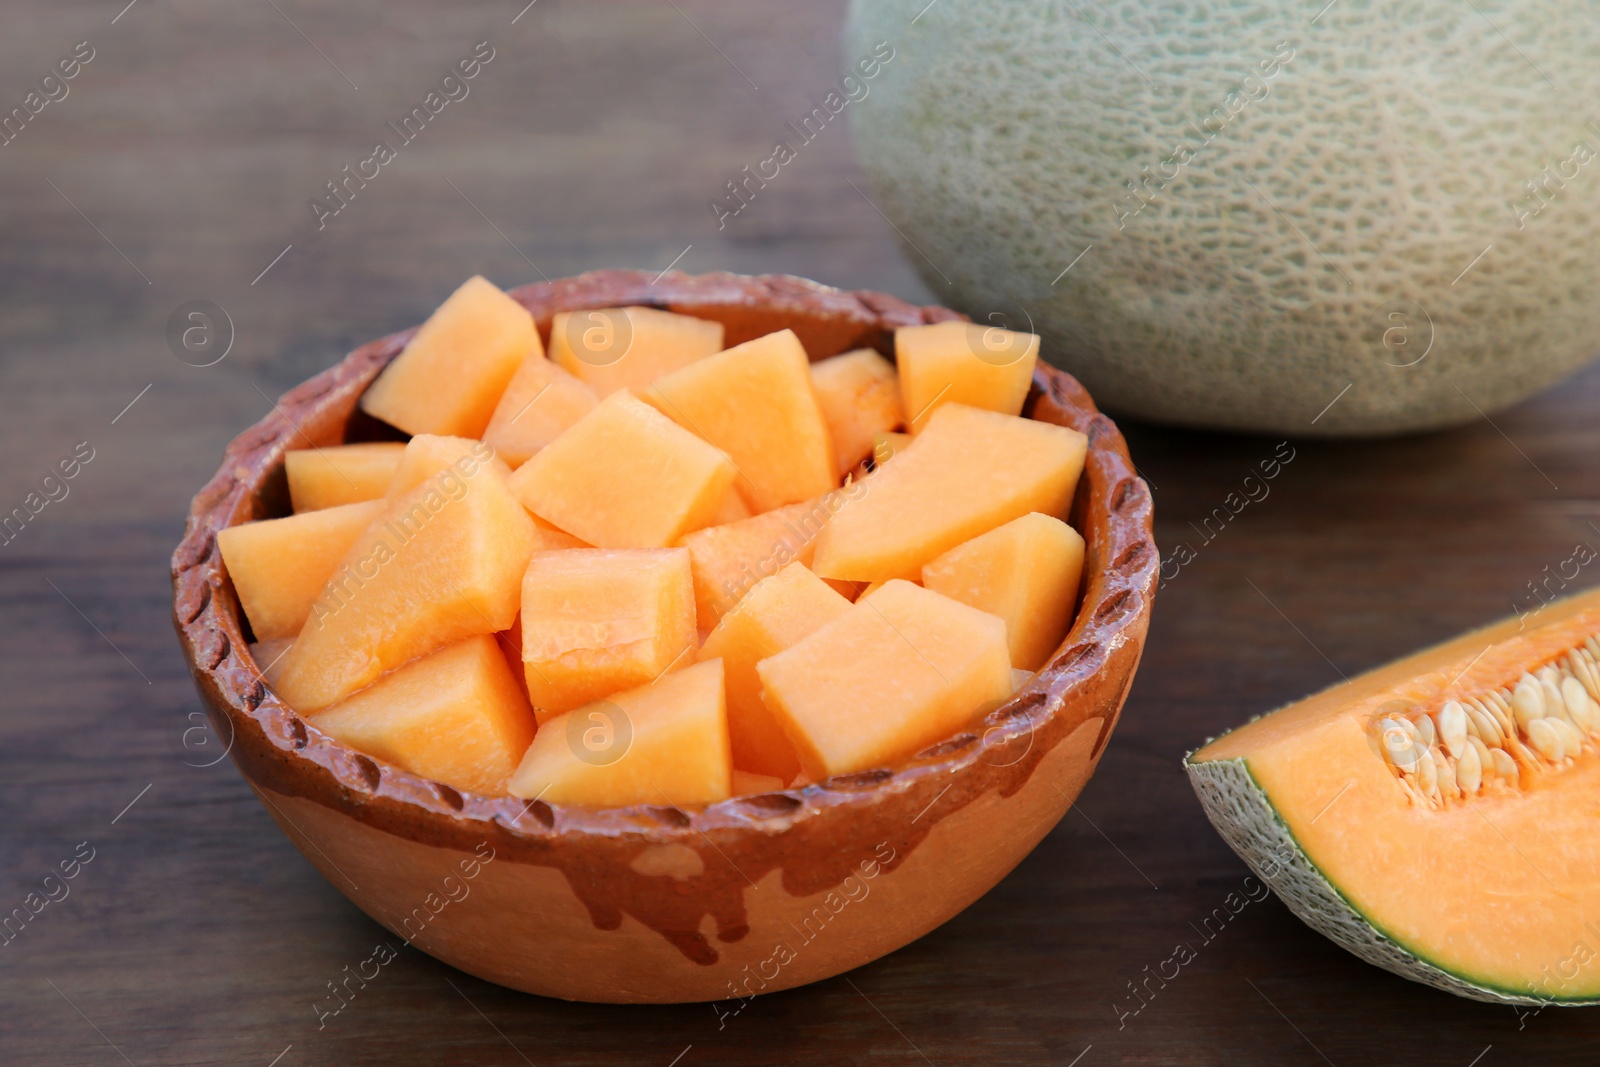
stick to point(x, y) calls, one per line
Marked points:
point(180, 165)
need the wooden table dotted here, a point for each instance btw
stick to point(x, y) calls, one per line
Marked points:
point(180, 167)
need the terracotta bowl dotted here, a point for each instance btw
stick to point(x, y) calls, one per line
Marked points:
point(654, 904)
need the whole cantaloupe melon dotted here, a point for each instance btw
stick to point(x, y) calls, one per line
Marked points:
point(1236, 213)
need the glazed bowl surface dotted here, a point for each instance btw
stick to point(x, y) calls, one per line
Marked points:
point(657, 904)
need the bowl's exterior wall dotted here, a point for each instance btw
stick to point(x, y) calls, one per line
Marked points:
point(521, 925)
point(656, 904)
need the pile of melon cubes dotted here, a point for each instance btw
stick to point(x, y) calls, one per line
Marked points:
point(648, 569)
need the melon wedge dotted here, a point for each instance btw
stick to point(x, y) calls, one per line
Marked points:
point(279, 566)
point(755, 402)
point(596, 621)
point(894, 674)
point(968, 472)
point(664, 743)
point(860, 397)
point(629, 347)
point(441, 563)
point(780, 611)
point(450, 376)
point(1436, 816)
point(625, 476)
point(455, 716)
point(728, 560)
point(539, 405)
point(963, 363)
point(1026, 572)
point(340, 474)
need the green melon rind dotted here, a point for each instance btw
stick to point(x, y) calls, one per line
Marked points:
point(1242, 813)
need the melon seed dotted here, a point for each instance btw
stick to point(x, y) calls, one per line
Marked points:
point(1580, 708)
point(1485, 757)
point(1546, 739)
point(1428, 772)
point(1488, 725)
point(1504, 765)
point(1528, 701)
point(1424, 732)
point(1452, 728)
point(1571, 739)
point(1397, 744)
point(1469, 770)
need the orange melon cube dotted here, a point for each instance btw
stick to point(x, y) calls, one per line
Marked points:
point(548, 538)
point(778, 612)
point(510, 642)
point(859, 395)
point(754, 401)
point(885, 446)
point(441, 563)
point(268, 654)
point(451, 374)
point(963, 363)
point(1026, 572)
point(596, 621)
point(630, 347)
point(455, 716)
point(732, 509)
point(969, 471)
point(745, 784)
point(340, 474)
point(541, 402)
point(427, 456)
point(894, 674)
point(625, 476)
point(728, 560)
point(278, 566)
point(663, 743)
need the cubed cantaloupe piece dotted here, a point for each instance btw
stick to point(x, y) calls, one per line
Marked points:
point(596, 621)
point(450, 376)
point(539, 405)
point(625, 476)
point(441, 563)
point(732, 509)
point(455, 716)
point(628, 347)
point(754, 401)
point(963, 363)
point(969, 471)
point(778, 612)
point(728, 560)
point(859, 395)
point(886, 446)
point(663, 743)
point(340, 474)
point(1026, 572)
point(428, 455)
point(746, 784)
point(279, 566)
point(548, 538)
point(896, 673)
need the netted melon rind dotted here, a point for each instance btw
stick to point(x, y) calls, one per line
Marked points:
point(1238, 807)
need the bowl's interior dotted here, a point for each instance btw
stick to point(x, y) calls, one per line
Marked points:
point(275, 748)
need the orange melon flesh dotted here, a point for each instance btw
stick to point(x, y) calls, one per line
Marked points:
point(279, 566)
point(728, 560)
point(885, 446)
point(597, 621)
point(548, 538)
point(455, 716)
point(541, 402)
point(779, 612)
point(1492, 898)
point(630, 347)
point(1026, 572)
point(896, 673)
point(426, 456)
point(452, 373)
point(963, 363)
point(664, 743)
point(968, 472)
point(441, 563)
point(754, 401)
point(340, 474)
point(746, 784)
point(625, 476)
point(859, 395)
point(732, 509)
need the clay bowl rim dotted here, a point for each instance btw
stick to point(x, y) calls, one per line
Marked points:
point(1113, 511)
